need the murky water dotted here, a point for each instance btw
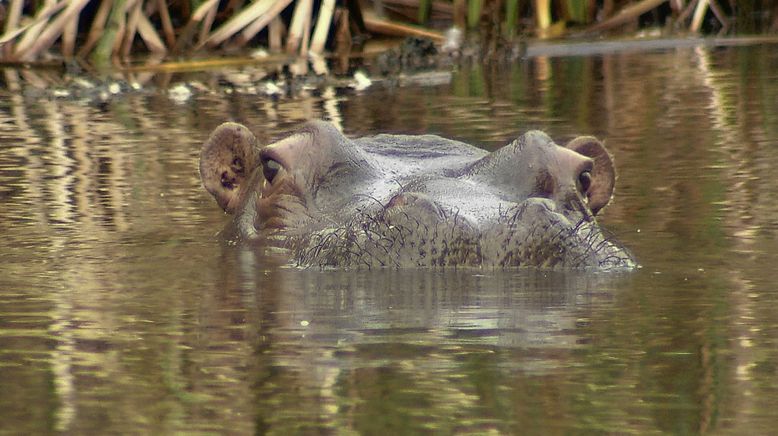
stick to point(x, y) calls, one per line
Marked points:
point(121, 311)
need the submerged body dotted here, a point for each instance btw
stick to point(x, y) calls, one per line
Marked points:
point(415, 201)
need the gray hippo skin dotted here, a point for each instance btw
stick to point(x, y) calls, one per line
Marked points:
point(415, 201)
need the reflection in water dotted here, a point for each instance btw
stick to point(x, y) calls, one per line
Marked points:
point(120, 308)
point(388, 348)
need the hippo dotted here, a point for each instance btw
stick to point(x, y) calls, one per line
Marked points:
point(415, 201)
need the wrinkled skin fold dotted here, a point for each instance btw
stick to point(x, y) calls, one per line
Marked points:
point(416, 201)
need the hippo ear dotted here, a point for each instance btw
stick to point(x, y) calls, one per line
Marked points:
point(227, 160)
point(603, 174)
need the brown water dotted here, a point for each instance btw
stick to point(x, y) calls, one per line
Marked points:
point(122, 312)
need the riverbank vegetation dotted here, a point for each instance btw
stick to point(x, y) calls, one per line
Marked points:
point(116, 31)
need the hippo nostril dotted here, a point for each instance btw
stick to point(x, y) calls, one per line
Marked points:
point(237, 165)
point(228, 181)
point(270, 169)
point(585, 181)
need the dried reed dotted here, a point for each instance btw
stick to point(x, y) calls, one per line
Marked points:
point(118, 27)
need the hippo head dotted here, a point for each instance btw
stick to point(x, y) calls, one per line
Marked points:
point(416, 201)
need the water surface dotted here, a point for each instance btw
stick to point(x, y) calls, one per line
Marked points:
point(122, 311)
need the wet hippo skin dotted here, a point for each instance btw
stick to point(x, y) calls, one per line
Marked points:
point(415, 201)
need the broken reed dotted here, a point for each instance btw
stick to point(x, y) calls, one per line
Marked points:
point(31, 28)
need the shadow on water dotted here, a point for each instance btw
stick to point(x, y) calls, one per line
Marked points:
point(121, 309)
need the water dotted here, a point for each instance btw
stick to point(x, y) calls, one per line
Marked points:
point(122, 312)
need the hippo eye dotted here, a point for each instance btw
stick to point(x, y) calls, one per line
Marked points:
point(270, 169)
point(585, 179)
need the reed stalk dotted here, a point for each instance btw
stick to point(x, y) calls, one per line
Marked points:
point(343, 36)
point(11, 23)
point(167, 24)
point(210, 16)
point(607, 8)
point(577, 10)
point(425, 6)
point(543, 15)
point(134, 12)
point(51, 32)
point(511, 16)
point(150, 36)
point(13, 16)
point(189, 30)
point(719, 14)
point(322, 28)
point(69, 35)
point(199, 14)
point(386, 27)
point(438, 9)
point(264, 20)
point(297, 27)
point(306, 41)
point(460, 14)
point(113, 29)
point(699, 14)
point(252, 29)
point(474, 13)
point(276, 31)
point(254, 12)
point(97, 28)
point(625, 15)
point(41, 18)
